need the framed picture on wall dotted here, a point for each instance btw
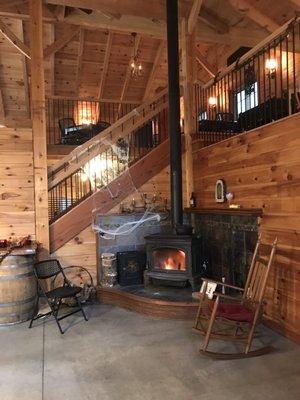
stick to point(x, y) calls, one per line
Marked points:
point(220, 191)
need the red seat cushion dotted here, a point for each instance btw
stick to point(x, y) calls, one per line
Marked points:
point(235, 312)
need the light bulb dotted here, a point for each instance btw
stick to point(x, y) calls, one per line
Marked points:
point(271, 64)
point(212, 101)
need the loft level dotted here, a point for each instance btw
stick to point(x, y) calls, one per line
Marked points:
point(261, 87)
point(73, 121)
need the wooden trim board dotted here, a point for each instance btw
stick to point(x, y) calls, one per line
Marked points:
point(147, 306)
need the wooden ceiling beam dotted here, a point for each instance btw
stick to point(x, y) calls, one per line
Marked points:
point(109, 15)
point(105, 64)
point(245, 7)
point(154, 69)
point(126, 23)
point(205, 64)
point(149, 9)
point(146, 26)
point(13, 3)
point(213, 21)
point(21, 12)
point(79, 59)
point(295, 2)
point(61, 42)
point(14, 40)
point(235, 36)
point(59, 12)
point(193, 16)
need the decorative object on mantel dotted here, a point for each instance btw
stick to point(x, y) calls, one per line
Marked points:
point(192, 200)
point(144, 202)
point(229, 197)
point(235, 206)
point(220, 191)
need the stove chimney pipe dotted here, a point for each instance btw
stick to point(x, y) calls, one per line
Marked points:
point(174, 113)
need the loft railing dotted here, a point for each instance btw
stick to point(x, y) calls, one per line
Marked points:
point(101, 160)
point(88, 116)
point(261, 87)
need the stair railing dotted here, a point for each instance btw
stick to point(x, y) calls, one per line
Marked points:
point(98, 144)
point(101, 160)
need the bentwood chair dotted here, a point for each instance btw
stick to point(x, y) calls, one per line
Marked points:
point(234, 318)
point(47, 269)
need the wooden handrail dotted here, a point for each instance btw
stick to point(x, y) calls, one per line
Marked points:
point(253, 51)
point(121, 128)
point(89, 99)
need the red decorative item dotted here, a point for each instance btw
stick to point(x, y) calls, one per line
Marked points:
point(3, 243)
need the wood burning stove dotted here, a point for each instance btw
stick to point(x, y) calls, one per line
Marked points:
point(174, 259)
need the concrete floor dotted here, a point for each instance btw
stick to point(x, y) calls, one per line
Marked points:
point(118, 354)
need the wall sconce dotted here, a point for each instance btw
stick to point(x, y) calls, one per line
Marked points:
point(212, 101)
point(271, 66)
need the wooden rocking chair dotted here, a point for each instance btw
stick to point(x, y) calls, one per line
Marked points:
point(235, 318)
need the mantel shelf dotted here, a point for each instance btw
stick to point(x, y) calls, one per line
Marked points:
point(226, 211)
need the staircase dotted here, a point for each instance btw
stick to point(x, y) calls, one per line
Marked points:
point(98, 175)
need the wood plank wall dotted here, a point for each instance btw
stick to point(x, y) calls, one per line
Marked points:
point(262, 169)
point(17, 186)
point(82, 249)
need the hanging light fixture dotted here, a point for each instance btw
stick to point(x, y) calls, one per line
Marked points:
point(212, 101)
point(271, 67)
point(135, 65)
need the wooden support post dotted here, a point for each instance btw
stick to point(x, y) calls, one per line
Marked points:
point(25, 74)
point(2, 110)
point(39, 125)
point(79, 59)
point(52, 61)
point(188, 75)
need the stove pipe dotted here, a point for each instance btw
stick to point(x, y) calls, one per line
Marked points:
point(174, 113)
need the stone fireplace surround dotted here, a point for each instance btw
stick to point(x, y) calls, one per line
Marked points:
point(224, 241)
point(227, 243)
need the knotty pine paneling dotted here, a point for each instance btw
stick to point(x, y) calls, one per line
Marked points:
point(16, 183)
point(262, 169)
point(80, 250)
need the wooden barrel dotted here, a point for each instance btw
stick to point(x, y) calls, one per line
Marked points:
point(17, 289)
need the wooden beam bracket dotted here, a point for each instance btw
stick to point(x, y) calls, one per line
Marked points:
point(61, 42)
point(14, 40)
